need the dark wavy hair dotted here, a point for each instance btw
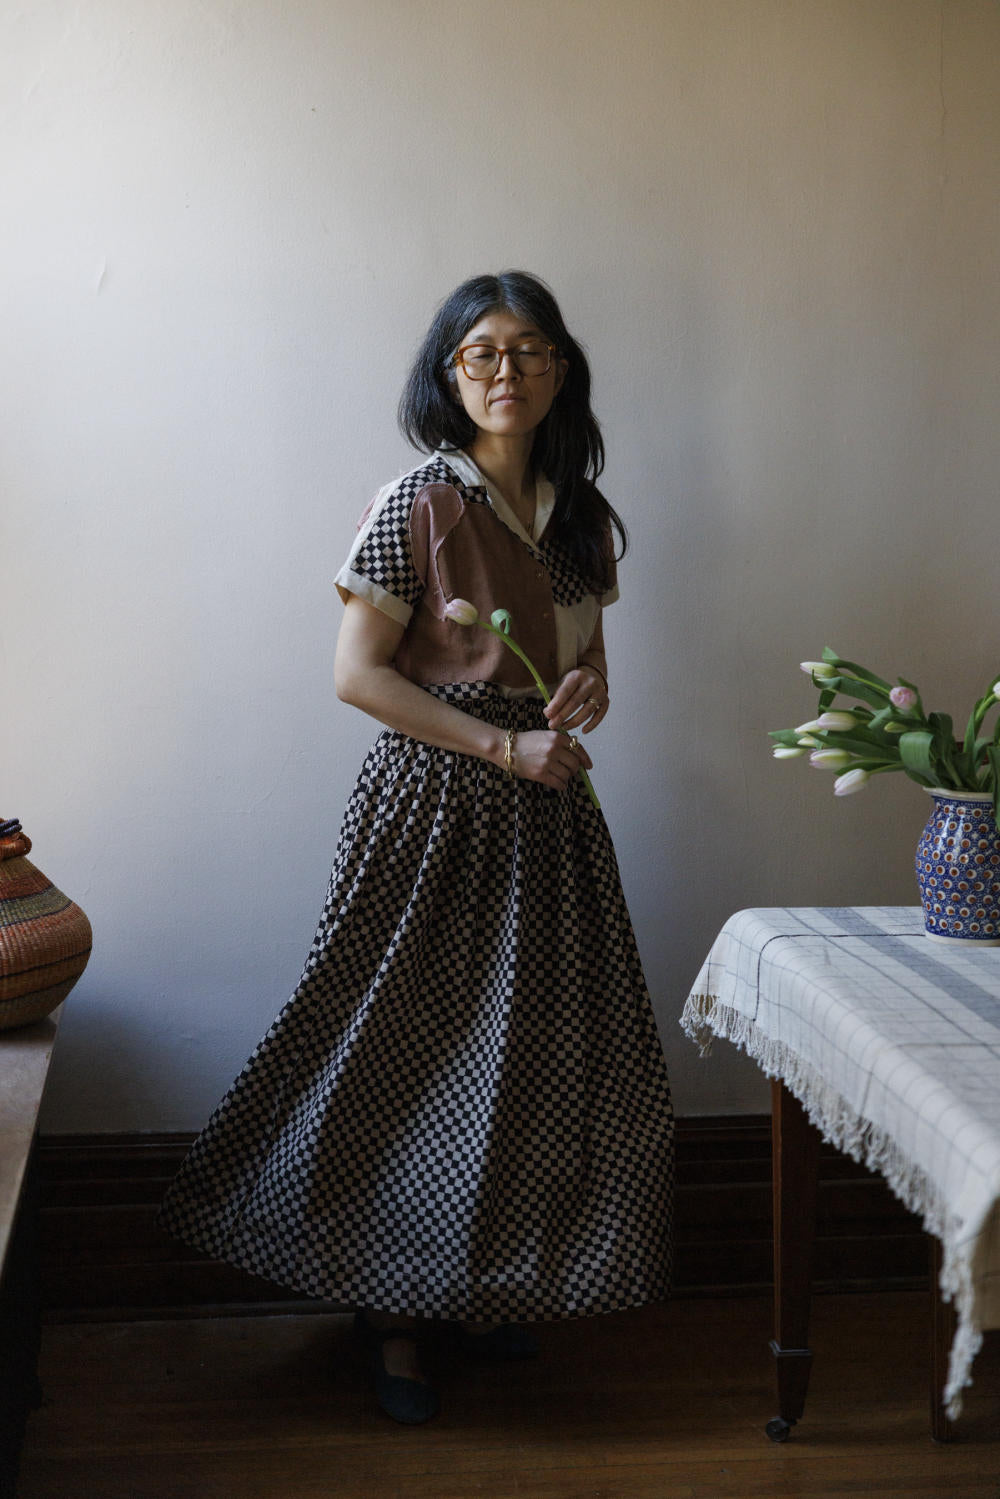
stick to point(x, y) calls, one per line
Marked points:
point(568, 447)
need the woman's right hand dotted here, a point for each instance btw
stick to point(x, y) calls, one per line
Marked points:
point(549, 757)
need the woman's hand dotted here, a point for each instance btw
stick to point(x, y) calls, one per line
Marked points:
point(551, 758)
point(579, 702)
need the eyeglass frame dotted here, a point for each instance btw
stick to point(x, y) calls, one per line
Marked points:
point(459, 362)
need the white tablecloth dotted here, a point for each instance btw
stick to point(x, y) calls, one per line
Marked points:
point(892, 1044)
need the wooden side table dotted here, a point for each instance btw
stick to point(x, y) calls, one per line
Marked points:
point(892, 1045)
point(795, 1146)
point(25, 1055)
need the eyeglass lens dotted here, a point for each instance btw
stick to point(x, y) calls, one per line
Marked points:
point(481, 361)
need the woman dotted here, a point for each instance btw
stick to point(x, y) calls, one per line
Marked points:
point(463, 1111)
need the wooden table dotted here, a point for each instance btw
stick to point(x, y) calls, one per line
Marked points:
point(889, 1046)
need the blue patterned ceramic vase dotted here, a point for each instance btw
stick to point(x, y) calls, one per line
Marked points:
point(958, 869)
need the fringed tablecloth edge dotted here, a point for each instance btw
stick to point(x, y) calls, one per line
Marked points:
point(704, 1018)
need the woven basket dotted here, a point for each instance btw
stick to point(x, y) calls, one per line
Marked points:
point(45, 938)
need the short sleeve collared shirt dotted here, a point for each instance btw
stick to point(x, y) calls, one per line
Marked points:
point(442, 532)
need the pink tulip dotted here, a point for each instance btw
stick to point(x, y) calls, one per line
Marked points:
point(903, 698)
point(462, 612)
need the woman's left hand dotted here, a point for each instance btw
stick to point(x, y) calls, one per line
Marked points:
point(579, 702)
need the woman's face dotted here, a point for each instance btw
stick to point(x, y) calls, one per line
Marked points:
point(509, 403)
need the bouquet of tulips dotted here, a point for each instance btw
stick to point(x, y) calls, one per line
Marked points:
point(889, 730)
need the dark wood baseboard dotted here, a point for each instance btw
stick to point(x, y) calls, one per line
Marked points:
point(104, 1257)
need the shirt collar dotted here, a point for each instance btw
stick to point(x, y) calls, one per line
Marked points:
point(545, 496)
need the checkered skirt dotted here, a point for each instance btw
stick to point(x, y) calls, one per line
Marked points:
point(463, 1110)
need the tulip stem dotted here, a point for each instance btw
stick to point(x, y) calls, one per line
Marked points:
point(546, 695)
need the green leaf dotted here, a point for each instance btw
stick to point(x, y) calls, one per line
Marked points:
point(982, 711)
point(969, 745)
point(874, 767)
point(851, 687)
point(945, 748)
point(993, 754)
point(787, 737)
point(857, 743)
point(500, 620)
point(858, 671)
point(916, 752)
point(886, 716)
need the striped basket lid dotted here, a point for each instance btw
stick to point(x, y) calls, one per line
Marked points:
point(13, 840)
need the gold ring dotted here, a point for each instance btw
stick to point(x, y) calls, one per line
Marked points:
point(594, 703)
point(576, 748)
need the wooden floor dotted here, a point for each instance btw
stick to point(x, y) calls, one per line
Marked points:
point(666, 1403)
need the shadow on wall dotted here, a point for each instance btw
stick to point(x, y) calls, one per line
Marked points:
point(108, 1065)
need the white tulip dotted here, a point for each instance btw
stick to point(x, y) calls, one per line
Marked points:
point(833, 720)
point(850, 781)
point(786, 752)
point(830, 759)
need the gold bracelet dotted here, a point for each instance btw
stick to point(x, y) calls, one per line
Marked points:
point(508, 754)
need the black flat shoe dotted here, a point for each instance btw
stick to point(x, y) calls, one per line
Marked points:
point(505, 1344)
point(409, 1401)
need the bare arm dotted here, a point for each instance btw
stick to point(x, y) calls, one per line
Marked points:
point(573, 702)
point(594, 656)
point(365, 677)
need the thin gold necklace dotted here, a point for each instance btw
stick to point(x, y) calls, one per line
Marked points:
point(529, 523)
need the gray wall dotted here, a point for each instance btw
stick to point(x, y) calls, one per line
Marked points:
point(774, 224)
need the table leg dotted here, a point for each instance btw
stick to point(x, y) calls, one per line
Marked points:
point(20, 1331)
point(794, 1172)
point(943, 1321)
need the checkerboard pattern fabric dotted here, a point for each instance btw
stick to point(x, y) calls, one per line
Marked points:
point(384, 556)
point(463, 1110)
point(892, 1043)
point(568, 587)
